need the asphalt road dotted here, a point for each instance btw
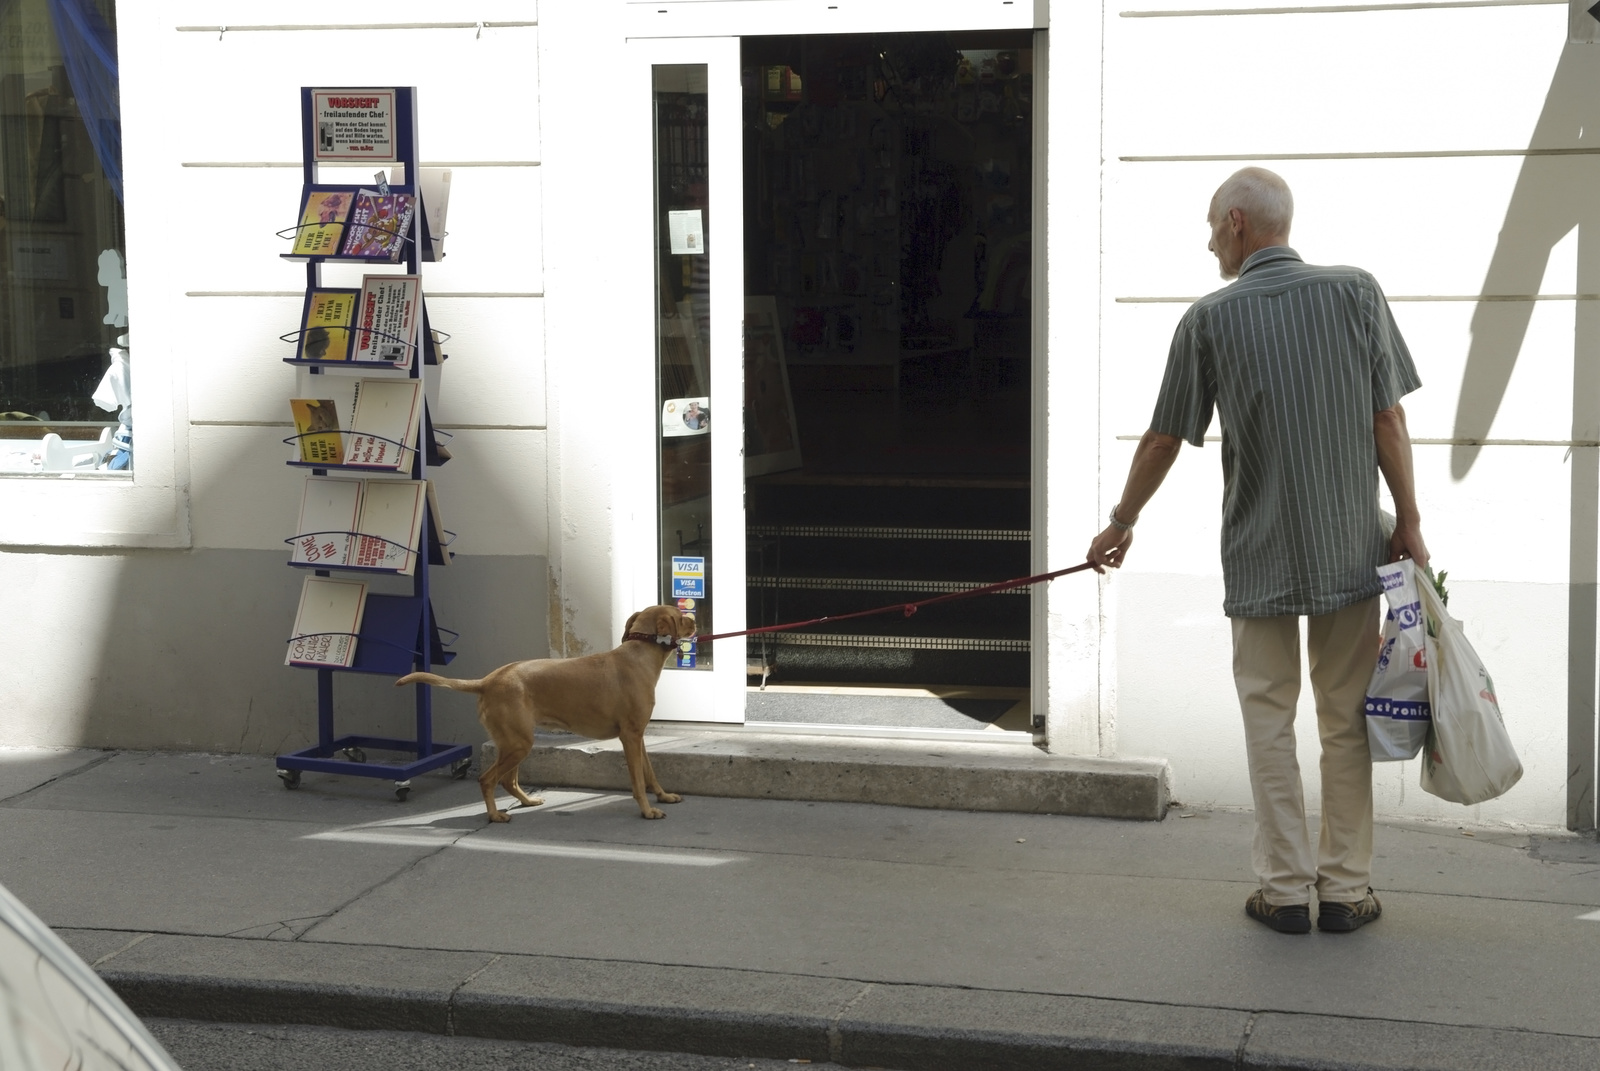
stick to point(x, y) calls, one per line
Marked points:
point(233, 1047)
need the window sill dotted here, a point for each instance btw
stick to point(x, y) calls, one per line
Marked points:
point(85, 475)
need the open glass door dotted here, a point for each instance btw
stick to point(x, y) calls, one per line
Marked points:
point(691, 88)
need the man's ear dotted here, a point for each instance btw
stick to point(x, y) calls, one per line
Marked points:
point(627, 628)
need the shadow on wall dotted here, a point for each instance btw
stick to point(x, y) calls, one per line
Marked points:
point(1547, 203)
point(194, 660)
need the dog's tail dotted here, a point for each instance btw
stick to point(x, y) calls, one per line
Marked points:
point(440, 682)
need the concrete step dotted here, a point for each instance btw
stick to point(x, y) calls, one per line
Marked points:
point(953, 771)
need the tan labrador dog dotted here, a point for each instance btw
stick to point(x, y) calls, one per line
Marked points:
point(601, 696)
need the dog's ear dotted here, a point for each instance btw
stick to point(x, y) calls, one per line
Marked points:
point(668, 622)
point(627, 628)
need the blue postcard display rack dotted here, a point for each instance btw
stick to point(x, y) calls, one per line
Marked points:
point(398, 632)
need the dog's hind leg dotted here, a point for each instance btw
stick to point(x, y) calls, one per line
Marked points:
point(509, 781)
point(487, 781)
point(650, 782)
point(633, 751)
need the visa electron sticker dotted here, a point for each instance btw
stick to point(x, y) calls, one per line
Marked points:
point(688, 578)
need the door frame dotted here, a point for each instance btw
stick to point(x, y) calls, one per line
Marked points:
point(777, 18)
point(715, 694)
point(666, 25)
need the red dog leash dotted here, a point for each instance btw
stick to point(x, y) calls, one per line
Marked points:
point(907, 608)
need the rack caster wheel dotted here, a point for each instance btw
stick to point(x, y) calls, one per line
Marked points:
point(402, 789)
point(290, 778)
point(355, 754)
point(459, 768)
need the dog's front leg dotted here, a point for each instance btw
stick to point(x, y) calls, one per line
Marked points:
point(633, 751)
point(650, 782)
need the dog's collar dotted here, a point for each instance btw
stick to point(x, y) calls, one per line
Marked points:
point(645, 637)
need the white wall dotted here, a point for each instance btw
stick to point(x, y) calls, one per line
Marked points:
point(184, 647)
point(1417, 120)
point(1402, 132)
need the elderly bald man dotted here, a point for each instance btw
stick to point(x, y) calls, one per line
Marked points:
point(1307, 369)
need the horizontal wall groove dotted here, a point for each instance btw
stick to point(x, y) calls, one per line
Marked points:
point(302, 293)
point(1331, 9)
point(1418, 154)
point(1475, 298)
point(291, 27)
point(1570, 444)
point(290, 424)
point(297, 164)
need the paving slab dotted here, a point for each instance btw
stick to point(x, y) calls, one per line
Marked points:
point(179, 873)
point(25, 769)
point(1207, 845)
point(236, 786)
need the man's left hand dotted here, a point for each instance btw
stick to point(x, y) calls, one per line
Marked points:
point(1407, 543)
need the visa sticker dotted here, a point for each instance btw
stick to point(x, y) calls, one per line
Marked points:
point(688, 578)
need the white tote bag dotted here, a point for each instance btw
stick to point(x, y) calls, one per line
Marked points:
point(1397, 697)
point(1468, 757)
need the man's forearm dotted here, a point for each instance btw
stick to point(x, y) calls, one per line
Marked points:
point(1151, 460)
point(1393, 441)
point(1151, 463)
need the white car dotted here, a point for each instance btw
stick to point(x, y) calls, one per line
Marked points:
point(56, 1013)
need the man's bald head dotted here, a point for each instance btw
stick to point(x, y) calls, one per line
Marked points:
point(1262, 196)
point(1249, 212)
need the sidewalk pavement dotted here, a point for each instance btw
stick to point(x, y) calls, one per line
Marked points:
point(861, 934)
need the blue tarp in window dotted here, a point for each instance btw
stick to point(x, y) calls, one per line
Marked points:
point(89, 51)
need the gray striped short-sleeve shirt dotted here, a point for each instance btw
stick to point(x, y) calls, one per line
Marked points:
point(1296, 359)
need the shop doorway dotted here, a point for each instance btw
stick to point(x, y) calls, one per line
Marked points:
point(888, 373)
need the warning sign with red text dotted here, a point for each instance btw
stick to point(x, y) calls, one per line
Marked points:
point(354, 124)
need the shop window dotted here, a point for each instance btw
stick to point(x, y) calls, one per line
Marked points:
point(65, 391)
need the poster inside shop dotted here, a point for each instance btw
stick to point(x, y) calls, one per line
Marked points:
point(354, 124)
point(686, 230)
point(685, 416)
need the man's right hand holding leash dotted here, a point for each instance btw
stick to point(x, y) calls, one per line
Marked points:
point(1151, 461)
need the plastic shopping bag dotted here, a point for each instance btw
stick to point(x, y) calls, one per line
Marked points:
point(1398, 711)
point(1468, 757)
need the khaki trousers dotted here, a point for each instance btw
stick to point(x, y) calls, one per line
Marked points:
point(1343, 648)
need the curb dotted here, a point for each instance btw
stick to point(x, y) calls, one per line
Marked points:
point(727, 1012)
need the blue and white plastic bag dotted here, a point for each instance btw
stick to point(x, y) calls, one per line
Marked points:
point(1398, 710)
